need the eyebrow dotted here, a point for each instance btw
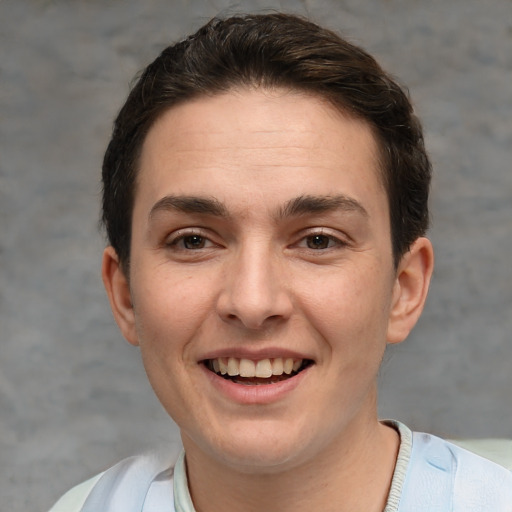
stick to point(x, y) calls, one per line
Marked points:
point(302, 205)
point(190, 204)
point(308, 204)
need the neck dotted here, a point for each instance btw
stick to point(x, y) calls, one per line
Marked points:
point(352, 474)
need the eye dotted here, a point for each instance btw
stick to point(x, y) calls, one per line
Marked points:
point(320, 241)
point(193, 242)
point(189, 241)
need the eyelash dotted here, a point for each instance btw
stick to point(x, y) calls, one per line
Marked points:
point(180, 237)
point(333, 242)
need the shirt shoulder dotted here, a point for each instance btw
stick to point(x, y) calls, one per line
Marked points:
point(497, 450)
point(445, 477)
point(74, 499)
point(126, 486)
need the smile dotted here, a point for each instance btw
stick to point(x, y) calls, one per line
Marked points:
point(249, 372)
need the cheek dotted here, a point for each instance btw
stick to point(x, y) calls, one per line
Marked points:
point(170, 313)
point(350, 308)
point(169, 309)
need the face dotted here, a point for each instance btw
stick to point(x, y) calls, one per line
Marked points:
point(262, 282)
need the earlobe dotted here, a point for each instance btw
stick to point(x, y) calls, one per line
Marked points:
point(118, 291)
point(410, 290)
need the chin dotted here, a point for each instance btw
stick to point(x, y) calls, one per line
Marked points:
point(258, 450)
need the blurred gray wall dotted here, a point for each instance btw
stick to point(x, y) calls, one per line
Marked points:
point(73, 395)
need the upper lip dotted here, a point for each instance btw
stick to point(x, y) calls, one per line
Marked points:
point(255, 354)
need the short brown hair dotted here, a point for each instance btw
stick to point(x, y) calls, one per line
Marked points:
point(273, 50)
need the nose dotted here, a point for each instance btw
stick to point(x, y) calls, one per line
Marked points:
point(255, 293)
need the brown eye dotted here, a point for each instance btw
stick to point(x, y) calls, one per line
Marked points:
point(318, 242)
point(193, 242)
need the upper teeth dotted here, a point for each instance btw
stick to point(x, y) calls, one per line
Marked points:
point(263, 368)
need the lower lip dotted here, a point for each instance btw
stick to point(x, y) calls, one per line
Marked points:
point(255, 394)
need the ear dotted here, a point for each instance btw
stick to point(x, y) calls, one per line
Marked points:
point(118, 291)
point(410, 289)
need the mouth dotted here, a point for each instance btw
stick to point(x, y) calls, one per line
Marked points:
point(256, 373)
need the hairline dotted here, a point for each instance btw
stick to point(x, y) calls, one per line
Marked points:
point(234, 88)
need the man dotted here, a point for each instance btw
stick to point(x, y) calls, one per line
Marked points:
point(265, 199)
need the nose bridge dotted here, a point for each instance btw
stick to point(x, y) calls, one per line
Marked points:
point(254, 293)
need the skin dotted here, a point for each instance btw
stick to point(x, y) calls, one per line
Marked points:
point(260, 229)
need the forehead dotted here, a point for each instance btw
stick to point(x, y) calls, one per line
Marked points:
point(264, 142)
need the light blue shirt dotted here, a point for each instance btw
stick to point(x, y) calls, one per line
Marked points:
point(431, 475)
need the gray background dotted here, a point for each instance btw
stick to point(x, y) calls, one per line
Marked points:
point(73, 395)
